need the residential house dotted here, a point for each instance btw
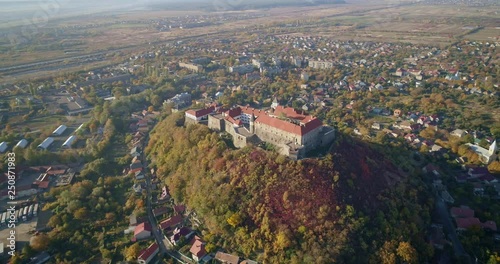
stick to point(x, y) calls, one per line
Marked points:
point(400, 72)
point(136, 165)
point(226, 258)
point(476, 172)
point(436, 148)
point(247, 261)
point(139, 175)
point(138, 187)
point(461, 212)
point(405, 125)
point(180, 233)
point(160, 211)
point(171, 222)
point(197, 248)
point(148, 254)
point(376, 126)
point(466, 223)
point(135, 152)
point(491, 225)
point(397, 112)
point(410, 137)
point(179, 209)
point(142, 231)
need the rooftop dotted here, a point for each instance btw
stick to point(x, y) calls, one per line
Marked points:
point(148, 252)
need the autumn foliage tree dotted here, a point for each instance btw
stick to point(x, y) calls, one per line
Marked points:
point(277, 210)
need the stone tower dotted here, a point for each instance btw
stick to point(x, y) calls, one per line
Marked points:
point(252, 124)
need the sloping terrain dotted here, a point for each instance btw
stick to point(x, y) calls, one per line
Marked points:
point(276, 210)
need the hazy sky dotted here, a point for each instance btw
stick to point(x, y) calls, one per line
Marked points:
point(14, 11)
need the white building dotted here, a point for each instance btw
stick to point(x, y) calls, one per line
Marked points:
point(22, 143)
point(46, 143)
point(458, 133)
point(3, 147)
point(60, 130)
point(486, 155)
point(321, 64)
point(67, 144)
point(242, 69)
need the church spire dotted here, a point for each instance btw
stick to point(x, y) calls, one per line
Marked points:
point(493, 148)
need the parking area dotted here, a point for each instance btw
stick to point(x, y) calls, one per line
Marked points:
point(24, 230)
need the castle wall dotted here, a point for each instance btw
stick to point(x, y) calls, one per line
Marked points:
point(312, 139)
point(327, 136)
point(216, 123)
point(275, 136)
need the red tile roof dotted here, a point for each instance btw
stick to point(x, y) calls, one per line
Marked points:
point(465, 223)
point(148, 252)
point(179, 208)
point(300, 130)
point(178, 233)
point(160, 211)
point(43, 185)
point(171, 222)
point(142, 227)
point(249, 110)
point(198, 247)
point(234, 112)
point(490, 225)
point(234, 121)
point(289, 112)
point(462, 212)
point(201, 112)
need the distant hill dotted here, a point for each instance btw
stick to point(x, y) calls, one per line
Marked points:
point(237, 5)
point(277, 210)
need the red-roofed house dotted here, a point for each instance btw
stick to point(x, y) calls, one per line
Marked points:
point(461, 212)
point(465, 223)
point(148, 254)
point(142, 231)
point(197, 248)
point(171, 222)
point(491, 225)
point(179, 209)
point(160, 211)
point(195, 116)
point(180, 233)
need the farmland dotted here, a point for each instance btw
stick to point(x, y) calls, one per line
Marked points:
point(410, 23)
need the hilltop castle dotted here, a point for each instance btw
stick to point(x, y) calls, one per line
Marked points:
point(292, 132)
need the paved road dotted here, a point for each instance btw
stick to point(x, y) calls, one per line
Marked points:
point(449, 227)
point(164, 245)
point(154, 225)
point(443, 213)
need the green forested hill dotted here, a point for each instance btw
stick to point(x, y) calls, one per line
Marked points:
point(263, 206)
